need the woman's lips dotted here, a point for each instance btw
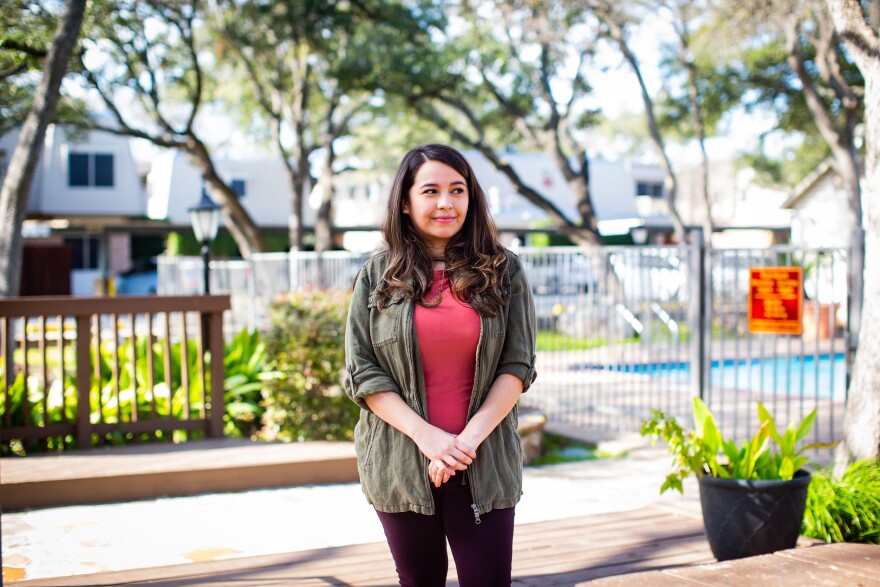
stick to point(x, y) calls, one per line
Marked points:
point(444, 219)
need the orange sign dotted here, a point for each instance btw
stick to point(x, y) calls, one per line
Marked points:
point(776, 299)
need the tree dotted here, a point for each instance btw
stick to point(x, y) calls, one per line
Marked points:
point(514, 73)
point(856, 23)
point(17, 183)
point(26, 32)
point(150, 65)
point(786, 54)
point(310, 76)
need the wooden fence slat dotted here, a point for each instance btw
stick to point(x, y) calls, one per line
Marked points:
point(148, 426)
point(167, 357)
point(114, 318)
point(36, 432)
point(215, 337)
point(44, 369)
point(184, 366)
point(5, 349)
point(25, 396)
point(200, 345)
point(83, 382)
point(133, 416)
point(62, 372)
point(150, 366)
point(98, 374)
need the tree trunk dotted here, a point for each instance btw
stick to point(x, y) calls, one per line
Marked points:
point(847, 163)
point(297, 197)
point(17, 184)
point(238, 222)
point(861, 437)
point(323, 222)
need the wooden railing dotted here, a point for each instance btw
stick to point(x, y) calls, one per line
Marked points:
point(78, 371)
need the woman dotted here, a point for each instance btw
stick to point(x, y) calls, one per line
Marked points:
point(440, 344)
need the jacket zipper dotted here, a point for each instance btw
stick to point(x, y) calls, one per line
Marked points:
point(476, 514)
point(477, 390)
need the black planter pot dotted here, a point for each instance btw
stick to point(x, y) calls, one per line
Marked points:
point(748, 518)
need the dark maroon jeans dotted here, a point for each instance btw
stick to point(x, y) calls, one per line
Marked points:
point(483, 552)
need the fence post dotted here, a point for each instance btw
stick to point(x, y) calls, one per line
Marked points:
point(218, 406)
point(83, 378)
point(293, 269)
point(698, 302)
point(251, 275)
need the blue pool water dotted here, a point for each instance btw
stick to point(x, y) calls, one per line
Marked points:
point(823, 376)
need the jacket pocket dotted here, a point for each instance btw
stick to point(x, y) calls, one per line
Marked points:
point(384, 324)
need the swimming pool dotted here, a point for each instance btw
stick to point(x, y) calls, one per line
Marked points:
point(822, 376)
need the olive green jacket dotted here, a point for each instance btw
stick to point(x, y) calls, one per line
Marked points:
point(382, 354)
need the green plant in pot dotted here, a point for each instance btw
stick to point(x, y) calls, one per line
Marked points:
point(752, 495)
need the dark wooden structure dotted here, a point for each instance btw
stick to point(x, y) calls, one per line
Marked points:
point(90, 329)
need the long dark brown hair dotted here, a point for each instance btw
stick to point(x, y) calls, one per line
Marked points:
point(475, 260)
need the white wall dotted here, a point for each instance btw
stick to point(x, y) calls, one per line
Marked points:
point(822, 218)
point(174, 185)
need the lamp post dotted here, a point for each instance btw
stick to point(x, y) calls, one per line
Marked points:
point(205, 219)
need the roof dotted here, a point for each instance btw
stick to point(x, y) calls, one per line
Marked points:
point(802, 189)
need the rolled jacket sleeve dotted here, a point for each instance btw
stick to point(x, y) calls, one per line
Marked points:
point(518, 351)
point(363, 374)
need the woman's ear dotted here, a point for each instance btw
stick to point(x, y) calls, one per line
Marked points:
point(405, 207)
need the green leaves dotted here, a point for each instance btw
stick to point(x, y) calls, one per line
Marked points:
point(845, 509)
point(306, 350)
point(704, 451)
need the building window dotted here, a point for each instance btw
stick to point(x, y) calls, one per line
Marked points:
point(239, 186)
point(85, 251)
point(649, 188)
point(90, 170)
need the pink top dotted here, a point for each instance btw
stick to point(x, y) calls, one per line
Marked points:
point(448, 335)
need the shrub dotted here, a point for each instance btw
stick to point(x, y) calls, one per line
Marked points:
point(245, 364)
point(845, 509)
point(306, 346)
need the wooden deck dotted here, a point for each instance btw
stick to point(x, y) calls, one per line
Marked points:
point(159, 470)
point(552, 553)
point(829, 564)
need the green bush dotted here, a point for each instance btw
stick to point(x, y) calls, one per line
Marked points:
point(304, 400)
point(845, 509)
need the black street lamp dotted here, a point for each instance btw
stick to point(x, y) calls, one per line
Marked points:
point(205, 219)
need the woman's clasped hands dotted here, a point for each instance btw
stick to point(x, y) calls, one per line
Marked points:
point(447, 454)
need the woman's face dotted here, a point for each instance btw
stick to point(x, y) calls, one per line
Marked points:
point(437, 204)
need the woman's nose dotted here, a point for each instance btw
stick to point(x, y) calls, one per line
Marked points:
point(444, 201)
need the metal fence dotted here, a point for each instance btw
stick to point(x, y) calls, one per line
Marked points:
point(623, 330)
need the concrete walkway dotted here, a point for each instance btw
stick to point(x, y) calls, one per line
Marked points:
point(74, 540)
